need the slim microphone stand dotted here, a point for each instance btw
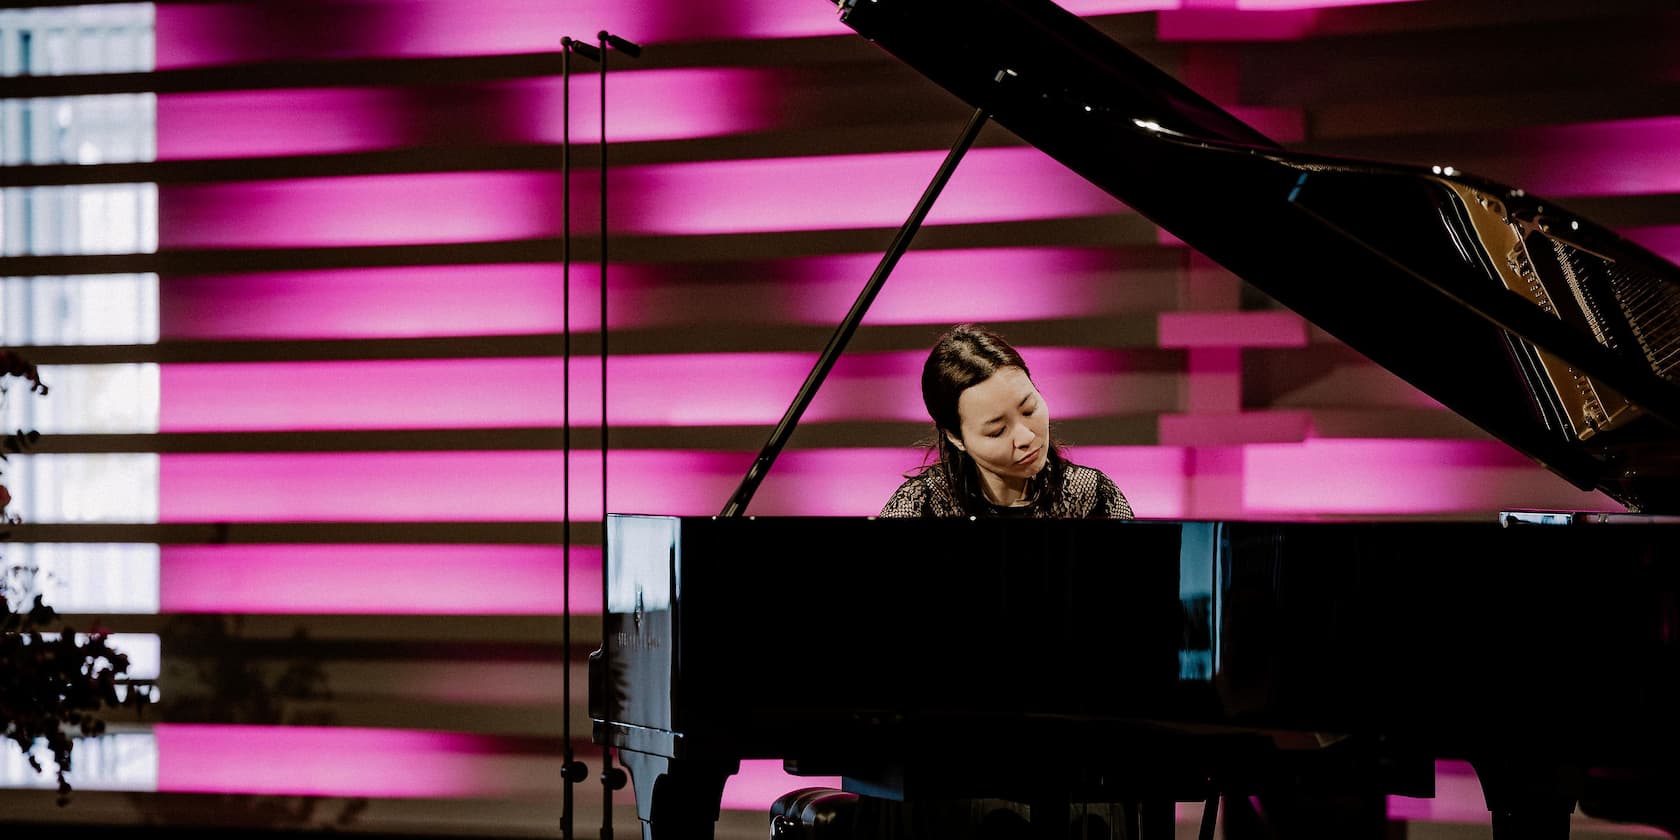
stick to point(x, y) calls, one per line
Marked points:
point(572, 771)
point(612, 778)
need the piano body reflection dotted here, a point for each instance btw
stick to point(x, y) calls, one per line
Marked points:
point(1049, 661)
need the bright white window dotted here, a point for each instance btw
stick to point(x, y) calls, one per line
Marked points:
point(124, 761)
point(56, 220)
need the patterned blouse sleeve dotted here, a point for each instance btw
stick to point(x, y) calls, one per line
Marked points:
point(909, 501)
point(1111, 503)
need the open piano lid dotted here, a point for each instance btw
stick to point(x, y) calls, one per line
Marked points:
point(1550, 332)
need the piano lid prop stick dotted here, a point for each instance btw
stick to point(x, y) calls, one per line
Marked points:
point(737, 504)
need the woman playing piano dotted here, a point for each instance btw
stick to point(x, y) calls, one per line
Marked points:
point(992, 453)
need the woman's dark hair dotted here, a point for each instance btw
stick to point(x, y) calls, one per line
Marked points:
point(965, 356)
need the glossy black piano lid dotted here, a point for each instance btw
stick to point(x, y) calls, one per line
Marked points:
point(1386, 257)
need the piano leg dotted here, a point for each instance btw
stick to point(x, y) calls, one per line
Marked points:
point(1050, 818)
point(1157, 819)
point(1306, 814)
point(677, 799)
point(1529, 799)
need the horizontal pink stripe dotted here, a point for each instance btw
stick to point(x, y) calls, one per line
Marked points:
point(1249, 20)
point(1613, 157)
point(652, 390)
point(524, 486)
point(1664, 240)
point(377, 579)
point(272, 122)
point(926, 287)
point(397, 763)
point(1277, 426)
point(1114, 7)
point(646, 105)
point(362, 210)
point(343, 761)
point(485, 486)
point(230, 33)
point(849, 191)
point(1232, 329)
point(193, 34)
point(1348, 476)
point(1288, 5)
point(723, 196)
point(718, 388)
point(992, 285)
point(403, 302)
point(1213, 23)
point(393, 764)
point(1401, 476)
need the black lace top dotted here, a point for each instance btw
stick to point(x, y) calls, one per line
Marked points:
point(1085, 493)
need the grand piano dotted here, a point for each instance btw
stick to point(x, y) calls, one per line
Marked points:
point(1059, 662)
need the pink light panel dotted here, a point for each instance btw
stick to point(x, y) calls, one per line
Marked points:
point(397, 763)
point(1368, 477)
point(436, 207)
point(394, 764)
point(645, 105)
point(407, 302)
point(1292, 5)
point(525, 486)
point(990, 285)
point(500, 486)
point(707, 197)
point(214, 33)
point(648, 390)
point(197, 34)
point(377, 579)
point(993, 285)
point(1664, 240)
point(848, 191)
point(1249, 20)
point(1351, 477)
point(344, 761)
point(1614, 157)
point(1232, 329)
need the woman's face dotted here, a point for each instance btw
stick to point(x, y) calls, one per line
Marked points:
point(1005, 426)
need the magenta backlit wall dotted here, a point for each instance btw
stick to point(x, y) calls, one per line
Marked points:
point(372, 324)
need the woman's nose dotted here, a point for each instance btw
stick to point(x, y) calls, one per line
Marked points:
point(1023, 436)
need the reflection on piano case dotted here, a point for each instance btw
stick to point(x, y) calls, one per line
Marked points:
point(1055, 662)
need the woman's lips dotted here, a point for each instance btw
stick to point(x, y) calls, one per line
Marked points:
point(1031, 457)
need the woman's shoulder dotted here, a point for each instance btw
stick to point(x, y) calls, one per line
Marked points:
point(924, 493)
point(1093, 492)
point(1079, 476)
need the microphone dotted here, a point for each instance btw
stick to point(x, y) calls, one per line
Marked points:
point(588, 51)
point(628, 48)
